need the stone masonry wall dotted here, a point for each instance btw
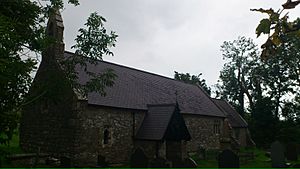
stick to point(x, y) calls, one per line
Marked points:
point(46, 123)
point(241, 135)
point(202, 133)
point(94, 120)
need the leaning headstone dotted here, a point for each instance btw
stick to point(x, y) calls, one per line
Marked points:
point(228, 159)
point(277, 155)
point(138, 159)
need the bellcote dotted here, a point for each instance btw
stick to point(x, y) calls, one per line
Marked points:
point(55, 30)
point(55, 26)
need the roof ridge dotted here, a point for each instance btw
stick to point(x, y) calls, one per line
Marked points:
point(143, 71)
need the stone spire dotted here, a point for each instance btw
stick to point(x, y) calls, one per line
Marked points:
point(55, 30)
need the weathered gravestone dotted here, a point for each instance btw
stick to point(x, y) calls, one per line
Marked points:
point(139, 159)
point(228, 159)
point(277, 155)
point(291, 152)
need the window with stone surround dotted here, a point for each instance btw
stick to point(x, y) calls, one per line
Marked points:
point(217, 125)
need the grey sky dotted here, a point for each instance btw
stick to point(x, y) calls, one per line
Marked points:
point(163, 36)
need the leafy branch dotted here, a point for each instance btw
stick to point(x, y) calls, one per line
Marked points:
point(277, 27)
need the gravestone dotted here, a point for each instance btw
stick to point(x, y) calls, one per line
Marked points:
point(228, 159)
point(291, 152)
point(138, 159)
point(277, 155)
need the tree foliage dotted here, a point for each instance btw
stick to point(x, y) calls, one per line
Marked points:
point(92, 43)
point(192, 79)
point(277, 27)
point(236, 76)
point(269, 87)
point(22, 33)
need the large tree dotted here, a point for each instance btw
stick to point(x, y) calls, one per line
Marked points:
point(236, 76)
point(269, 87)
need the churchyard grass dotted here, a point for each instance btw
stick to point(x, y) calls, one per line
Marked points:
point(259, 161)
point(11, 148)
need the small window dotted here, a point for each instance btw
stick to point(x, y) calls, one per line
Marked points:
point(106, 136)
point(217, 126)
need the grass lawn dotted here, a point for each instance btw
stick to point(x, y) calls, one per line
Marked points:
point(260, 161)
point(13, 146)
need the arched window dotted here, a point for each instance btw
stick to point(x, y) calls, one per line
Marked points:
point(106, 136)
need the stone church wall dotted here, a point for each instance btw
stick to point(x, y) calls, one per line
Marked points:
point(46, 122)
point(241, 135)
point(201, 129)
point(119, 124)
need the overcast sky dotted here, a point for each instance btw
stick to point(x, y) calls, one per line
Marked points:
point(163, 36)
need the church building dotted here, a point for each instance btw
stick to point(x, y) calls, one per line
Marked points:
point(156, 114)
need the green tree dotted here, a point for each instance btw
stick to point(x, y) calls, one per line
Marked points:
point(192, 79)
point(92, 43)
point(236, 76)
point(22, 33)
point(263, 124)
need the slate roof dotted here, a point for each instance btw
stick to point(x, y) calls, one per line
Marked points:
point(156, 122)
point(234, 118)
point(135, 89)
